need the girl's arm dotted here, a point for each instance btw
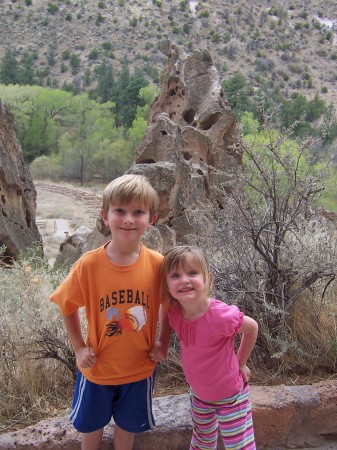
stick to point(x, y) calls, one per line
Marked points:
point(160, 349)
point(85, 356)
point(248, 330)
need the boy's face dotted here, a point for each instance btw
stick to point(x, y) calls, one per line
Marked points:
point(127, 221)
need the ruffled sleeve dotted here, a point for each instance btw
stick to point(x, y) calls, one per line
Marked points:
point(225, 320)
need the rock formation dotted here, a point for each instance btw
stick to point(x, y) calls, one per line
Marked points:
point(191, 148)
point(189, 153)
point(18, 230)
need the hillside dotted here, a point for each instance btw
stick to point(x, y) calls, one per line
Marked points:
point(290, 43)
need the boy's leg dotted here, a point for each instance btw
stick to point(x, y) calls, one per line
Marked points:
point(205, 425)
point(235, 423)
point(123, 440)
point(92, 441)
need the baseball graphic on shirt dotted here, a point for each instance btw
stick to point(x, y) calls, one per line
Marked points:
point(133, 320)
point(137, 317)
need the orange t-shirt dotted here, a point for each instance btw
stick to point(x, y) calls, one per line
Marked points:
point(121, 306)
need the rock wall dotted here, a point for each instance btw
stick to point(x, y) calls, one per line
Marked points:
point(18, 230)
point(284, 417)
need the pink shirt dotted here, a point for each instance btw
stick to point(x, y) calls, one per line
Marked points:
point(209, 361)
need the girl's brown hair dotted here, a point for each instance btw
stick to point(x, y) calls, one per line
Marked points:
point(175, 256)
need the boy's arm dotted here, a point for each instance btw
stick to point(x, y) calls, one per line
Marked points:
point(85, 356)
point(249, 330)
point(160, 350)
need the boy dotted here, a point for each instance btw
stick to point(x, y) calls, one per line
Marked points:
point(118, 284)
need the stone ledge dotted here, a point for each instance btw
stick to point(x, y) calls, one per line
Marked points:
point(284, 417)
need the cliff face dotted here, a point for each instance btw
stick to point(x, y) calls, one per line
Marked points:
point(18, 230)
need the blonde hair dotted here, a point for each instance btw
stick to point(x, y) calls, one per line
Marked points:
point(178, 255)
point(130, 187)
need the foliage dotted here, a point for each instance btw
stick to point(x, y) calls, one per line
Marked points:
point(120, 88)
point(278, 252)
point(238, 94)
point(302, 115)
point(139, 124)
point(9, 68)
point(71, 133)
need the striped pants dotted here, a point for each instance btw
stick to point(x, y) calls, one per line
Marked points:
point(231, 416)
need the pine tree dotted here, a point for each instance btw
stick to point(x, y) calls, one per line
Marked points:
point(9, 68)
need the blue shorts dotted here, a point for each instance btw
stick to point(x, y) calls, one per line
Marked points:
point(130, 405)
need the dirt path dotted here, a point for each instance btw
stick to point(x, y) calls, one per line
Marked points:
point(61, 209)
point(91, 201)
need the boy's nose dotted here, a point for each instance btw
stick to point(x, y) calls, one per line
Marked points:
point(128, 218)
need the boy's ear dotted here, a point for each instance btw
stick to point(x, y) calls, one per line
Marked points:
point(153, 219)
point(104, 217)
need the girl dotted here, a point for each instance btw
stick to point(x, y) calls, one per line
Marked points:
point(206, 329)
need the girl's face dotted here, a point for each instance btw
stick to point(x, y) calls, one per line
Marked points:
point(186, 282)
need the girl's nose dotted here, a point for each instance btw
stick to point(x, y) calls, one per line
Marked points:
point(184, 278)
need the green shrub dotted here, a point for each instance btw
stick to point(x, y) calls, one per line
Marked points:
point(107, 46)
point(52, 8)
point(204, 14)
point(99, 19)
point(66, 54)
point(93, 55)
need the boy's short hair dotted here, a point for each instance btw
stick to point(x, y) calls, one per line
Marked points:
point(175, 256)
point(130, 187)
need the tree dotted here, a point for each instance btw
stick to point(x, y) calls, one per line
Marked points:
point(26, 72)
point(131, 99)
point(106, 85)
point(122, 83)
point(9, 68)
point(139, 124)
point(238, 93)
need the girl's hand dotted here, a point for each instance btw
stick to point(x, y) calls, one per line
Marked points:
point(245, 372)
point(86, 357)
point(159, 351)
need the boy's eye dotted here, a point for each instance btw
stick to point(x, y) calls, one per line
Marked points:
point(118, 210)
point(140, 212)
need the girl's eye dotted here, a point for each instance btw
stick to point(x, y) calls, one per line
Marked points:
point(193, 273)
point(174, 275)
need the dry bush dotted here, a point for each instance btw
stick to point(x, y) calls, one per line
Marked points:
point(33, 383)
point(169, 373)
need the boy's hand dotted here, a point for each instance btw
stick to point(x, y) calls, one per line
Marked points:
point(159, 351)
point(85, 357)
point(245, 372)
